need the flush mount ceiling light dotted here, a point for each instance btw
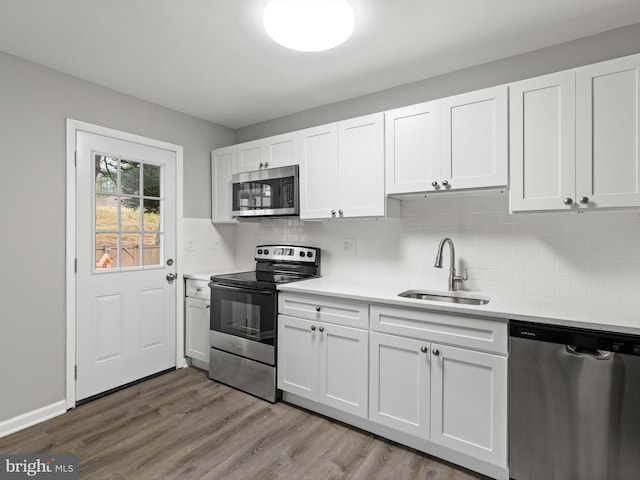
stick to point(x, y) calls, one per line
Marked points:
point(309, 25)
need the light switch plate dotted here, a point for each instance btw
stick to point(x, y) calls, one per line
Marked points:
point(349, 245)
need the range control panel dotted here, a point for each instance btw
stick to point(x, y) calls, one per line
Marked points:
point(287, 253)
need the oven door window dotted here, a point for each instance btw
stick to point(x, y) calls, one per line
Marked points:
point(245, 313)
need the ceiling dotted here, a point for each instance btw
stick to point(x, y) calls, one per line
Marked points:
point(212, 58)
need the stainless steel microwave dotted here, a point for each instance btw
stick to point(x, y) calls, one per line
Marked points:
point(266, 193)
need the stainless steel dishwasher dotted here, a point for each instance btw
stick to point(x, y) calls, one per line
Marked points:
point(574, 404)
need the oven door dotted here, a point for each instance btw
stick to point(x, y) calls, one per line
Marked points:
point(243, 322)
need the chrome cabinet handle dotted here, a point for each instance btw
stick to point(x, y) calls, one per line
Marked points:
point(436, 352)
point(208, 306)
point(261, 164)
point(321, 329)
point(583, 200)
point(340, 212)
point(434, 184)
point(333, 213)
point(445, 183)
point(313, 328)
point(423, 349)
point(568, 201)
point(318, 309)
point(266, 164)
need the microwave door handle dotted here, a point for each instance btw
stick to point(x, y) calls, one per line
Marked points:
point(270, 293)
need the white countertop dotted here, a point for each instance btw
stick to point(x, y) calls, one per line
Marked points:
point(206, 275)
point(598, 316)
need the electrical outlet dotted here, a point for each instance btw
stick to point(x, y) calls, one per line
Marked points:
point(349, 245)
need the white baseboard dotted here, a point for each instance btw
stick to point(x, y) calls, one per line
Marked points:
point(15, 424)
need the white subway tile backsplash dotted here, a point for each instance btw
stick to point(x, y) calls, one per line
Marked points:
point(560, 254)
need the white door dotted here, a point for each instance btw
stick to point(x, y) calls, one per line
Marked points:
point(298, 356)
point(249, 156)
point(469, 402)
point(412, 143)
point(343, 368)
point(400, 383)
point(542, 143)
point(281, 150)
point(319, 172)
point(475, 139)
point(608, 134)
point(361, 166)
point(125, 244)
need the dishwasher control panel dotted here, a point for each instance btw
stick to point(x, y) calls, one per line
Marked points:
point(576, 337)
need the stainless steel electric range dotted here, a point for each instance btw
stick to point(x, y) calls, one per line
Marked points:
point(243, 322)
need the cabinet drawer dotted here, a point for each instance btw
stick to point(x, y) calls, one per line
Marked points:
point(471, 332)
point(324, 309)
point(198, 289)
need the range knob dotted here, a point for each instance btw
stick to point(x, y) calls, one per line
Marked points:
point(309, 254)
point(266, 252)
point(302, 254)
point(259, 251)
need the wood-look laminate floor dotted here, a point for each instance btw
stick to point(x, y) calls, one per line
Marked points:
point(184, 426)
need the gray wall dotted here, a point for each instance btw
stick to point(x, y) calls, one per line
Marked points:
point(34, 103)
point(615, 43)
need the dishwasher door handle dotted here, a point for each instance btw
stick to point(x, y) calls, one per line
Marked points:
point(588, 352)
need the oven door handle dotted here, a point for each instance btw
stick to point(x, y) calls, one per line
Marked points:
point(270, 293)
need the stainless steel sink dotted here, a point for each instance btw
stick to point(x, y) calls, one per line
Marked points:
point(443, 297)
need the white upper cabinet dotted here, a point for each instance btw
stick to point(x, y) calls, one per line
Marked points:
point(272, 152)
point(455, 143)
point(342, 169)
point(474, 133)
point(412, 147)
point(318, 171)
point(542, 130)
point(608, 134)
point(575, 138)
point(223, 165)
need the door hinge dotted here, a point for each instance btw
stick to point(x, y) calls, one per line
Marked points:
point(75, 371)
point(75, 265)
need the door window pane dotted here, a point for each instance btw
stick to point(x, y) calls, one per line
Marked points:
point(151, 215)
point(151, 248)
point(106, 248)
point(151, 180)
point(129, 177)
point(129, 250)
point(106, 212)
point(130, 213)
point(106, 174)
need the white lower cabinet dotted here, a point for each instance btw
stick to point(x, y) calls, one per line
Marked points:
point(324, 362)
point(469, 402)
point(400, 383)
point(196, 318)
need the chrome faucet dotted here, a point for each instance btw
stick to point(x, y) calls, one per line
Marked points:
point(454, 279)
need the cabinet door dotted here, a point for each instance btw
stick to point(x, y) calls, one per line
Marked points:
point(542, 142)
point(399, 384)
point(343, 368)
point(608, 134)
point(222, 166)
point(475, 139)
point(469, 402)
point(281, 150)
point(250, 156)
point(197, 329)
point(361, 166)
point(298, 357)
point(319, 172)
point(412, 144)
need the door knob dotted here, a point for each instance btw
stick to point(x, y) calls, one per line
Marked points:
point(568, 201)
point(423, 349)
point(321, 329)
point(436, 352)
point(583, 200)
point(171, 277)
point(313, 328)
point(445, 183)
